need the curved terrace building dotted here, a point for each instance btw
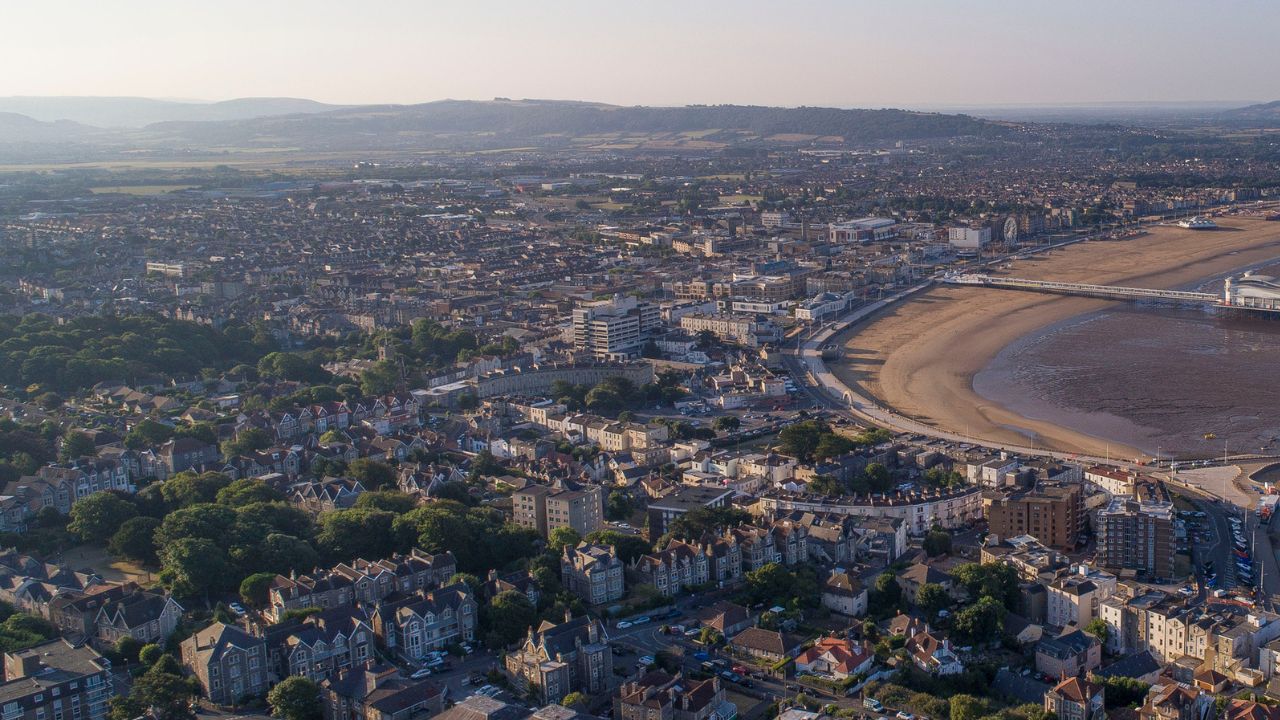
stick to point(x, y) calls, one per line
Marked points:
point(919, 510)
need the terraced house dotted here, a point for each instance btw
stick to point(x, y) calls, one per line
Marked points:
point(228, 663)
point(572, 656)
point(319, 645)
point(683, 565)
point(364, 581)
point(145, 616)
point(592, 572)
point(415, 626)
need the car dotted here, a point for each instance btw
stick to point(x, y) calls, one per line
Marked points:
point(740, 669)
point(645, 660)
point(420, 674)
point(1187, 591)
point(476, 678)
point(904, 715)
point(873, 703)
point(488, 691)
point(641, 620)
point(466, 649)
point(693, 632)
point(624, 624)
point(702, 656)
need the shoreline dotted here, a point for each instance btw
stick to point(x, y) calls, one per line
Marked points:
point(921, 357)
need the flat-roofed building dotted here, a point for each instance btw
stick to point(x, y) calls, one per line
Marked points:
point(1052, 514)
point(56, 681)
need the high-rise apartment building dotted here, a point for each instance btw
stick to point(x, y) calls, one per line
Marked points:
point(1137, 535)
point(616, 328)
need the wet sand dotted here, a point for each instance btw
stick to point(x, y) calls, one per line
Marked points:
point(920, 357)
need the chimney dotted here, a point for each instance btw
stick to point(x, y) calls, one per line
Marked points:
point(21, 665)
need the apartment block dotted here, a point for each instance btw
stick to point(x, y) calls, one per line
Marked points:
point(1137, 535)
point(1052, 514)
point(56, 681)
point(545, 508)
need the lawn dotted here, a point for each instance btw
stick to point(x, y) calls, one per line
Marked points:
point(97, 559)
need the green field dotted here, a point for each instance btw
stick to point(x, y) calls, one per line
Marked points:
point(140, 189)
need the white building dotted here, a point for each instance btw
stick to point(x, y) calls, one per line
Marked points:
point(614, 329)
point(962, 238)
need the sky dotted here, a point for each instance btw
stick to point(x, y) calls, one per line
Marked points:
point(842, 53)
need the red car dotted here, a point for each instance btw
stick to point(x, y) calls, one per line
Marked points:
point(741, 669)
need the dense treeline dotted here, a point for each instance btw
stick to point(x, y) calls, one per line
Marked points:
point(208, 533)
point(36, 350)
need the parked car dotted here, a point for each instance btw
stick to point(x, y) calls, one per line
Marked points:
point(420, 674)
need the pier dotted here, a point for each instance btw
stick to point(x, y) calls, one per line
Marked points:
point(1227, 301)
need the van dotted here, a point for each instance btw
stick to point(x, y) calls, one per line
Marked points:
point(873, 704)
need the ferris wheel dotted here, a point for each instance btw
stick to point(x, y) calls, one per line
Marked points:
point(1011, 231)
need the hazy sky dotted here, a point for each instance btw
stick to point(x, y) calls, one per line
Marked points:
point(659, 52)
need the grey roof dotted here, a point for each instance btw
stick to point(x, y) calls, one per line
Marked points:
point(1134, 666)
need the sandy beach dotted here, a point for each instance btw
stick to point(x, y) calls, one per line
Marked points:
point(920, 356)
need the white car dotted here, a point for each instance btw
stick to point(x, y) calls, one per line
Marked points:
point(623, 625)
point(904, 715)
point(420, 674)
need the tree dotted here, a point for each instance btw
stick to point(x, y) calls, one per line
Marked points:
point(702, 520)
point(1121, 691)
point(826, 485)
point(379, 379)
point(347, 534)
point(128, 648)
point(727, 423)
point(508, 617)
point(95, 518)
point(281, 553)
point(188, 488)
point(295, 698)
point(247, 491)
point(995, 580)
point(574, 700)
point(147, 433)
point(77, 445)
point(560, 537)
point(619, 506)
point(886, 596)
point(967, 707)
point(135, 540)
point(194, 565)
point(165, 691)
point(246, 441)
point(878, 478)
point(469, 580)
point(371, 473)
point(980, 621)
point(1098, 628)
point(937, 542)
point(801, 439)
point(932, 597)
point(629, 547)
point(254, 589)
point(832, 445)
point(392, 501)
point(149, 654)
point(125, 707)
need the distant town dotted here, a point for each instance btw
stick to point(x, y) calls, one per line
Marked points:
point(545, 433)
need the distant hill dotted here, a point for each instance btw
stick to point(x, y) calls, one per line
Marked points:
point(451, 122)
point(17, 128)
point(1261, 115)
point(134, 112)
